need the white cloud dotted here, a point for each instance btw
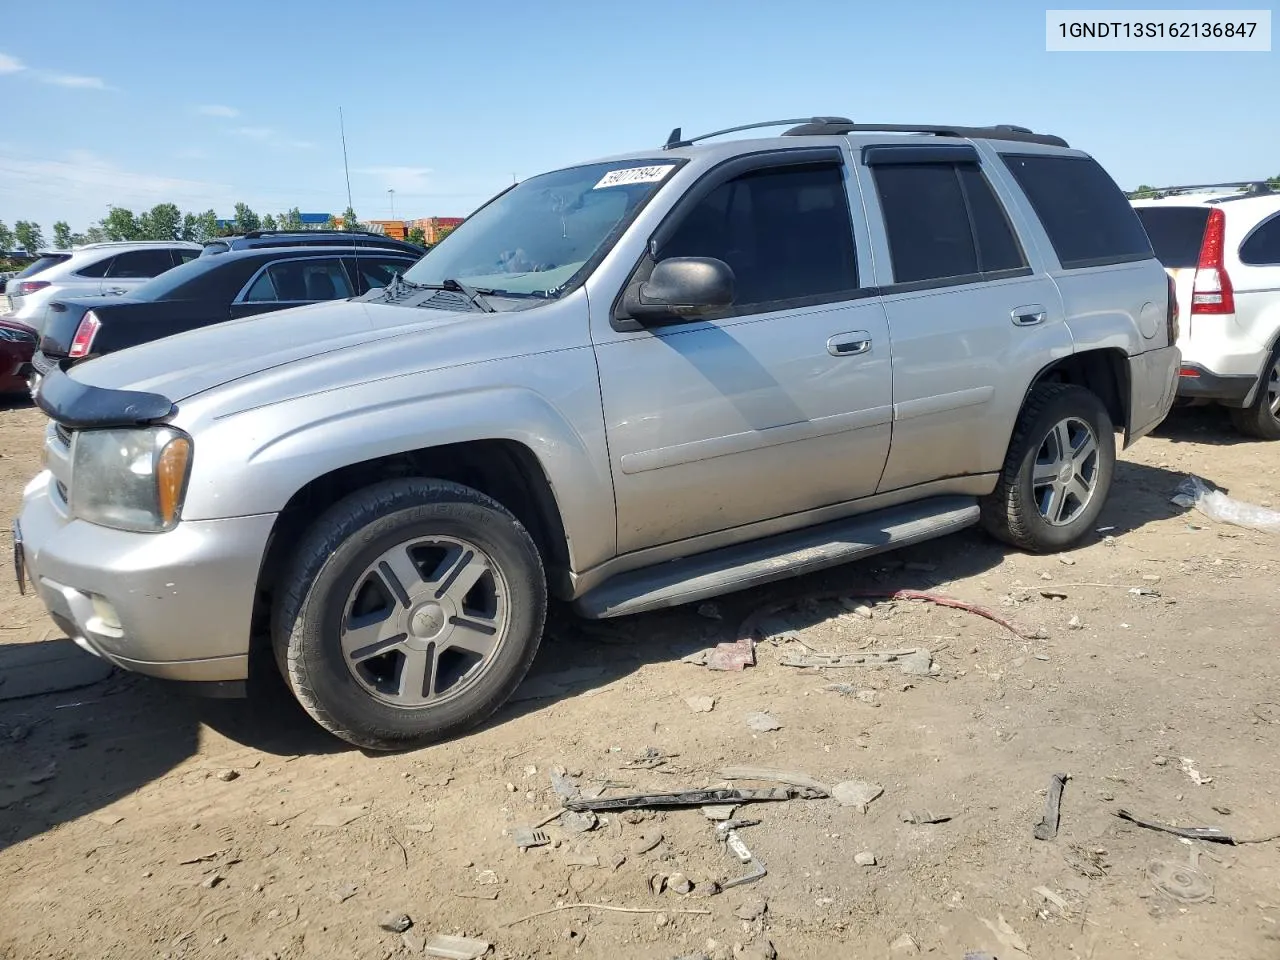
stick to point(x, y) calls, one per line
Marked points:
point(72, 80)
point(10, 64)
point(272, 137)
point(257, 133)
point(218, 110)
point(400, 179)
point(191, 153)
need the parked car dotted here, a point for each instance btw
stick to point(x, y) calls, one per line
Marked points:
point(1221, 245)
point(95, 269)
point(309, 238)
point(17, 343)
point(209, 290)
point(627, 384)
point(35, 264)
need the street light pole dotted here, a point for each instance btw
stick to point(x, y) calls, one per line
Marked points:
point(392, 194)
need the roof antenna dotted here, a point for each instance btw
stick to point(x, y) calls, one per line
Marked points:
point(350, 206)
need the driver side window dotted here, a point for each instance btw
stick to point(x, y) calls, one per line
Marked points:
point(785, 232)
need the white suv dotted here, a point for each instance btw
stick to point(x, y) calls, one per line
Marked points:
point(1221, 245)
point(95, 269)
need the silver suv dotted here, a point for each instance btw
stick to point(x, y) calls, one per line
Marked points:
point(629, 384)
point(92, 270)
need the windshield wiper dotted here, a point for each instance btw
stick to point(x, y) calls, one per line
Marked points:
point(471, 293)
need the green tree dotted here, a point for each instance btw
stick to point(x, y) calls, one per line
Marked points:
point(416, 235)
point(349, 221)
point(292, 220)
point(62, 235)
point(206, 227)
point(28, 235)
point(246, 219)
point(121, 224)
point(78, 240)
point(331, 223)
point(1274, 182)
point(189, 223)
point(6, 237)
point(161, 222)
point(268, 222)
point(95, 234)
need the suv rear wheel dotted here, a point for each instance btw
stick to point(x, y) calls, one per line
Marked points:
point(1057, 473)
point(1261, 419)
point(410, 611)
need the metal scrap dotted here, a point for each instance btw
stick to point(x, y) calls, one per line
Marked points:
point(792, 777)
point(728, 833)
point(828, 661)
point(1047, 828)
point(1212, 834)
point(694, 798)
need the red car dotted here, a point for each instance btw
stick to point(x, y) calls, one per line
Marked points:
point(17, 344)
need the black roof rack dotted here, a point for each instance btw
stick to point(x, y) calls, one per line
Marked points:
point(999, 131)
point(254, 234)
point(1246, 188)
point(675, 140)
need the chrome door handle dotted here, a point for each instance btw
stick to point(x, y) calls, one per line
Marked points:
point(849, 344)
point(116, 291)
point(1028, 316)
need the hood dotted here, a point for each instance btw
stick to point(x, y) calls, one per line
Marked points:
point(186, 364)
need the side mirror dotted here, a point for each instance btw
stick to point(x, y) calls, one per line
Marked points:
point(681, 287)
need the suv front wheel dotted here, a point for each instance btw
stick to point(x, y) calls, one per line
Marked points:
point(1057, 473)
point(411, 610)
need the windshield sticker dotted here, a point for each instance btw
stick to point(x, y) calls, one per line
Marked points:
point(623, 178)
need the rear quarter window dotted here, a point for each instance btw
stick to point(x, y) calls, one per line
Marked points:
point(1176, 233)
point(1087, 217)
point(1262, 247)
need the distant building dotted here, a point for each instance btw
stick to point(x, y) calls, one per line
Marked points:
point(435, 229)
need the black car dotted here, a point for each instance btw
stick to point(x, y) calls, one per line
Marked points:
point(208, 290)
point(310, 238)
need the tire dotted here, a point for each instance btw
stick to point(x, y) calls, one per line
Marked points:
point(354, 632)
point(1015, 512)
point(1261, 418)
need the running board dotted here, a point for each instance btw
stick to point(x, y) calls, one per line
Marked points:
point(746, 565)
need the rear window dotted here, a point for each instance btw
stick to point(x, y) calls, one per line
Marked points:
point(1175, 232)
point(1088, 218)
point(44, 263)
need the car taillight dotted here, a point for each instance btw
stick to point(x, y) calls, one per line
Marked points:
point(1171, 315)
point(1212, 291)
point(27, 287)
point(83, 340)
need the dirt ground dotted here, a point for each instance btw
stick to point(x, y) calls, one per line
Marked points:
point(123, 835)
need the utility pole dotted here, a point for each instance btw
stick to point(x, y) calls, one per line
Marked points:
point(391, 192)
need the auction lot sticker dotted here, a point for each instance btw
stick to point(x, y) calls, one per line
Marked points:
point(622, 178)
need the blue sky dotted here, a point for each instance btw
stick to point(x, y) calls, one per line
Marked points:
point(208, 103)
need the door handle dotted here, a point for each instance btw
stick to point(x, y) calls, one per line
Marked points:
point(1028, 316)
point(849, 344)
point(115, 291)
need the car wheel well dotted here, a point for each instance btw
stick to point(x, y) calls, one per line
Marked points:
point(1103, 372)
point(505, 470)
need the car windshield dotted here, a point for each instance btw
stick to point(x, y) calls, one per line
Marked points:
point(541, 237)
point(44, 263)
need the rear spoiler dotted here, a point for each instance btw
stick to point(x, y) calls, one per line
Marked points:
point(82, 406)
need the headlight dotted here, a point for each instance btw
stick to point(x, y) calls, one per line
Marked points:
point(130, 479)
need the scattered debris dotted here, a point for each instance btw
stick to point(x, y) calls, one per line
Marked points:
point(1184, 882)
point(728, 832)
point(1047, 828)
point(1075, 623)
point(456, 948)
point(486, 878)
point(694, 798)
point(831, 661)
point(700, 704)
point(905, 946)
point(602, 906)
point(726, 656)
point(395, 922)
point(212, 881)
point(863, 611)
point(649, 760)
point(344, 893)
point(646, 841)
point(341, 816)
point(751, 909)
point(1224, 811)
point(762, 722)
point(869, 697)
point(921, 816)
point(1006, 935)
point(422, 827)
point(865, 858)
point(1055, 899)
point(579, 820)
point(1216, 505)
point(919, 664)
point(526, 837)
point(1212, 834)
point(856, 793)
point(1088, 863)
point(1070, 563)
point(1160, 761)
point(572, 859)
point(794, 778)
point(679, 883)
point(1188, 767)
point(719, 812)
point(226, 776)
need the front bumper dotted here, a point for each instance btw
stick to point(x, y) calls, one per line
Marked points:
point(175, 605)
point(1197, 383)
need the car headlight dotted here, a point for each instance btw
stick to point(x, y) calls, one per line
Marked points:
point(131, 479)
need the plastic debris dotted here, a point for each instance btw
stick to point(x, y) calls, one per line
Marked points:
point(526, 837)
point(794, 778)
point(700, 704)
point(725, 656)
point(578, 820)
point(1047, 828)
point(921, 816)
point(1212, 834)
point(1216, 505)
point(694, 798)
point(856, 793)
point(762, 722)
point(456, 948)
point(1184, 882)
point(395, 922)
point(1188, 767)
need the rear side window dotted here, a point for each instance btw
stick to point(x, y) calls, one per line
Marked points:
point(299, 281)
point(1175, 233)
point(43, 263)
point(182, 255)
point(1087, 217)
point(1262, 247)
point(944, 223)
point(138, 264)
point(97, 269)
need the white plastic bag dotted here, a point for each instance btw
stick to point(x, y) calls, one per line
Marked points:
point(1216, 505)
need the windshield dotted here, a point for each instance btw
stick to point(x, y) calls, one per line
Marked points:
point(44, 263)
point(1176, 233)
point(541, 237)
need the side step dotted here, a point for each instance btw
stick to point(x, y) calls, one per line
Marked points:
point(785, 555)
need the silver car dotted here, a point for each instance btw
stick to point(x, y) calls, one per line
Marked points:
point(629, 384)
point(92, 270)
